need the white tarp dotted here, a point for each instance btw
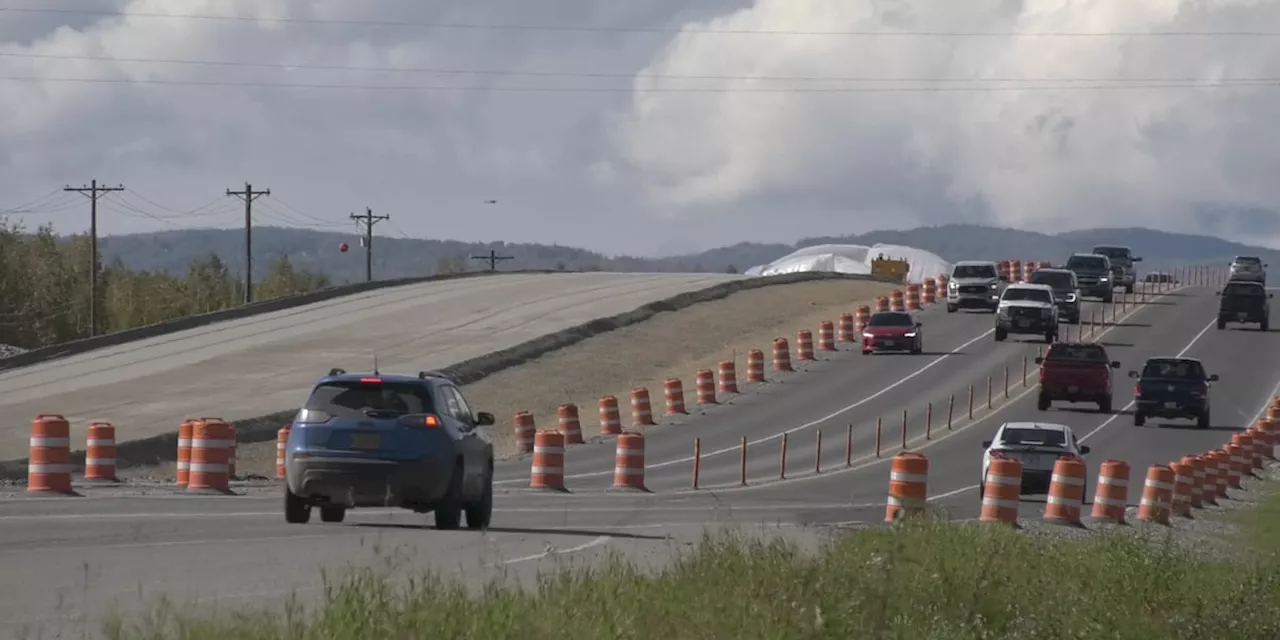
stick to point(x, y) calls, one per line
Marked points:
point(854, 259)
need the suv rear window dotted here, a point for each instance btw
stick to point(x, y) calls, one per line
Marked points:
point(1243, 290)
point(1086, 262)
point(1174, 369)
point(1115, 253)
point(1034, 295)
point(1076, 353)
point(1033, 437)
point(1055, 279)
point(355, 399)
point(974, 271)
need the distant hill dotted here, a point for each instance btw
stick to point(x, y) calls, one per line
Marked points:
point(396, 257)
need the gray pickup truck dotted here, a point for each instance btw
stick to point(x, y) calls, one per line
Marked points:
point(1093, 275)
point(1124, 271)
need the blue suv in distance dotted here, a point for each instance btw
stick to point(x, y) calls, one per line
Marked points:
point(374, 440)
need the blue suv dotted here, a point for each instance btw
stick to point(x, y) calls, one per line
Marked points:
point(373, 440)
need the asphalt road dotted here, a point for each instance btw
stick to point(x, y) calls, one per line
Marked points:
point(260, 365)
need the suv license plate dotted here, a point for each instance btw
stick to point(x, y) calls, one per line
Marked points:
point(1171, 405)
point(1073, 389)
point(1242, 316)
point(366, 441)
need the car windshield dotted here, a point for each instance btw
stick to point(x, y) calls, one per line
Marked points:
point(355, 399)
point(1115, 253)
point(1086, 262)
point(1248, 261)
point(1033, 295)
point(1174, 369)
point(1076, 353)
point(891, 320)
point(1243, 290)
point(974, 271)
point(1033, 437)
point(1055, 279)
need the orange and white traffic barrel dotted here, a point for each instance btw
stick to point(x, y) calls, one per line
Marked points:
point(929, 291)
point(610, 416)
point(1002, 490)
point(641, 411)
point(49, 463)
point(673, 393)
point(1209, 490)
point(100, 452)
point(1237, 465)
point(897, 300)
point(1157, 495)
point(1044, 264)
point(940, 291)
point(1015, 270)
point(282, 449)
point(1111, 496)
point(755, 366)
point(211, 446)
point(826, 336)
point(728, 376)
point(848, 329)
point(570, 425)
point(1183, 484)
point(1028, 269)
point(1066, 491)
point(525, 430)
point(1252, 460)
point(1196, 463)
point(1266, 433)
point(1003, 266)
point(908, 486)
point(184, 450)
point(804, 344)
point(882, 304)
point(547, 471)
point(913, 297)
point(1224, 472)
point(862, 317)
point(234, 439)
point(628, 465)
point(781, 355)
point(706, 382)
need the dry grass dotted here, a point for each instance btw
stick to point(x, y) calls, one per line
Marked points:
point(669, 345)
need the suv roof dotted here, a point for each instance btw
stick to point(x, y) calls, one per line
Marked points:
point(1088, 254)
point(976, 263)
point(1055, 270)
point(1044, 426)
point(1119, 247)
point(342, 375)
point(1172, 359)
point(1029, 285)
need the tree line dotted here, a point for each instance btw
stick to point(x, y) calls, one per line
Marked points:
point(45, 299)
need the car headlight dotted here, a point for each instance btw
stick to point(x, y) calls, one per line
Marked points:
point(1071, 297)
point(909, 335)
point(1102, 279)
point(994, 285)
point(868, 335)
point(952, 285)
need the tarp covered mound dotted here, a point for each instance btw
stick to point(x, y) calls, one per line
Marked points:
point(854, 259)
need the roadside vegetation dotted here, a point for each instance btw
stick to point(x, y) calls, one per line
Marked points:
point(44, 289)
point(917, 581)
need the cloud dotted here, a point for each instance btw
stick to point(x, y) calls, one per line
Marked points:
point(640, 164)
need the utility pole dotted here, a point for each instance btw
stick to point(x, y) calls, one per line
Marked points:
point(248, 195)
point(94, 192)
point(368, 220)
point(493, 258)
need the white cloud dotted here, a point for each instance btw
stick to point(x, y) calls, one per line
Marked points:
point(638, 172)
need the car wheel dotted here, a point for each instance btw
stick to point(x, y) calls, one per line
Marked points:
point(1203, 421)
point(448, 513)
point(866, 352)
point(332, 514)
point(1139, 419)
point(1104, 405)
point(1043, 402)
point(296, 510)
point(480, 513)
point(1001, 334)
point(951, 308)
point(1222, 324)
point(1264, 326)
point(1051, 336)
point(1108, 298)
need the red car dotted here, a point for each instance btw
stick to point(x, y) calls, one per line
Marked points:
point(892, 331)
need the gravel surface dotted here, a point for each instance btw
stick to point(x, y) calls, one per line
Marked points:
point(7, 350)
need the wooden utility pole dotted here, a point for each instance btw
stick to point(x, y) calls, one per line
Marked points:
point(93, 191)
point(248, 195)
point(368, 220)
point(493, 258)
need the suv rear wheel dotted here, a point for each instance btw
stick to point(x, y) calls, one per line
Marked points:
point(333, 514)
point(1001, 334)
point(1104, 405)
point(449, 512)
point(296, 510)
point(1202, 422)
point(480, 513)
point(1139, 419)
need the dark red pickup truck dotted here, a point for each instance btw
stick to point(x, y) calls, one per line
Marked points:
point(1076, 372)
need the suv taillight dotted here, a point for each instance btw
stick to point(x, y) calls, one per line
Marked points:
point(427, 421)
point(1137, 389)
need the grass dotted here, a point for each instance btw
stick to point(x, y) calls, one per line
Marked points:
point(914, 581)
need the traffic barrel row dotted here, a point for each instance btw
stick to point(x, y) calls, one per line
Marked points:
point(547, 470)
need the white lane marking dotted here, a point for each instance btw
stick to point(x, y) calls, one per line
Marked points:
point(865, 463)
point(1184, 351)
point(602, 540)
point(807, 425)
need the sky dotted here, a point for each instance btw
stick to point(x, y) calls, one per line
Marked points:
point(645, 127)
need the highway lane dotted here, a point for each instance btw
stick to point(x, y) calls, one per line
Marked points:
point(263, 364)
point(845, 388)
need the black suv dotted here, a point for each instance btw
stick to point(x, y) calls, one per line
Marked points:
point(1066, 291)
point(1172, 388)
point(1093, 275)
point(1244, 301)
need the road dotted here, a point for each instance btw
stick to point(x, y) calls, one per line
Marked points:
point(80, 556)
point(259, 365)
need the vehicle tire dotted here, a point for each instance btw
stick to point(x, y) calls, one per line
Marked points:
point(1202, 422)
point(1222, 324)
point(1104, 405)
point(333, 514)
point(1264, 326)
point(480, 513)
point(1108, 297)
point(296, 510)
point(1139, 419)
point(1001, 334)
point(448, 513)
point(866, 352)
point(1043, 402)
point(951, 308)
point(1050, 336)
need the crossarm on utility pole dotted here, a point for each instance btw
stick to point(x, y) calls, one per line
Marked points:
point(493, 258)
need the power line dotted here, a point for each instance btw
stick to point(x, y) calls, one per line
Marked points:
point(667, 30)
point(368, 220)
point(1213, 84)
point(282, 66)
point(94, 192)
point(248, 195)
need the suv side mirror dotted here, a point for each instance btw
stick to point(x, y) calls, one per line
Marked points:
point(484, 419)
point(919, 324)
point(1084, 449)
point(1115, 364)
point(1133, 374)
point(1213, 378)
point(986, 444)
point(1137, 259)
point(1039, 360)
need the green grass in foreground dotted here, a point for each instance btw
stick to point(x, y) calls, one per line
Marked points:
point(920, 581)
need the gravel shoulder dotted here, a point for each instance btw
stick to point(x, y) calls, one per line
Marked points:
point(670, 344)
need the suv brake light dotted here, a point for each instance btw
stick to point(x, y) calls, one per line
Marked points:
point(312, 416)
point(429, 421)
point(370, 380)
point(1137, 389)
